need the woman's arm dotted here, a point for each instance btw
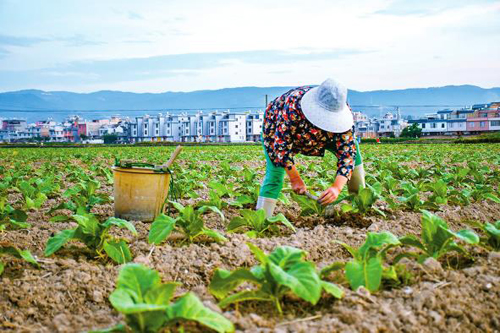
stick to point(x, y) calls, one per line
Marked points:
point(298, 185)
point(346, 153)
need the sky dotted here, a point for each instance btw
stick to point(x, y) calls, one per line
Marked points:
point(157, 46)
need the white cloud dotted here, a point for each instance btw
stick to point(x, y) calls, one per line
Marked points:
point(407, 43)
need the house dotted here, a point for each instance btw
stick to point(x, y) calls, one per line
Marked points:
point(254, 126)
point(484, 120)
point(391, 124)
point(14, 125)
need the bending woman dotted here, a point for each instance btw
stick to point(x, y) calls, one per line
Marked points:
point(308, 121)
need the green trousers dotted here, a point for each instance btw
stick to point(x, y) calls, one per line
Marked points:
point(273, 181)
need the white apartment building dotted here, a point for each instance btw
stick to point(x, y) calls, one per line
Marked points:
point(444, 122)
point(254, 126)
point(201, 127)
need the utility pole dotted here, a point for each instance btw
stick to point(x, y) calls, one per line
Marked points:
point(265, 106)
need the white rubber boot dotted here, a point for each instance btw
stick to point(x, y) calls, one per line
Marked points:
point(357, 179)
point(268, 204)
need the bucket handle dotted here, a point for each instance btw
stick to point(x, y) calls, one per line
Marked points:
point(173, 157)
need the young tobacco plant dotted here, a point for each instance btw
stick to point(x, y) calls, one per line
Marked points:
point(283, 271)
point(257, 223)
point(367, 267)
point(82, 197)
point(436, 239)
point(96, 236)
point(10, 217)
point(364, 201)
point(16, 253)
point(308, 206)
point(492, 234)
point(189, 222)
point(148, 304)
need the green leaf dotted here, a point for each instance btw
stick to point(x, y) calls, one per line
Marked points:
point(178, 206)
point(189, 307)
point(26, 255)
point(373, 273)
point(56, 242)
point(138, 279)
point(354, 274)
point(118, 251)
point(377, 240)
point(59, 218)
point(29, 203)
point(2, 267)
point(280, 218)
point(468, 236)
point(88, 223)
point(17, 253)
point(332, 289)
point(18, 215)
point(161, 228)
point(258, 253)
point(301, 278)
point(367, 274)
point(120, 223)
point(223, 282)
point(327, 270)
point(252, 295)
point(213, 209)
point(346, 208)
point(162, 294)
point(123, 301)
point(411, 240)
point(214, 234)
point(493, 230)
point(491, 197)
point(235, 223)
point(286, 256)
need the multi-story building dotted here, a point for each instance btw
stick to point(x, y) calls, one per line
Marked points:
point(201, 127)
point(391, 124)
point(254, 126)
point(484, 120)
point(14, 125)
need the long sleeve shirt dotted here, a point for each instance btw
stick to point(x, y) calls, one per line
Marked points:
point(287, 132)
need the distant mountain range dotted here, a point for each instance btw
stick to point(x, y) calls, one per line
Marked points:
point(251, 97)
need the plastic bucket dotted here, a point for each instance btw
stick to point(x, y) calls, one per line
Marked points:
point(139, 193)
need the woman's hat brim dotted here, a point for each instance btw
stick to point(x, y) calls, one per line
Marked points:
point(336, 122)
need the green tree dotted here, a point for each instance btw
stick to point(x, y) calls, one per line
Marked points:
point(412, 131)
point(110, 138)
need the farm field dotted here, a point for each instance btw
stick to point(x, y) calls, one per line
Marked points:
point(428, 219)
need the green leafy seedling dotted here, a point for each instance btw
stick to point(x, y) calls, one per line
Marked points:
point(96, 236)
point(189, 222)
point(364, 201)
point(283, 271)
point(308, 206)
point(257, 223)
point(436, 239)
point(148, 305)
point(367, 266)
point(16, 253)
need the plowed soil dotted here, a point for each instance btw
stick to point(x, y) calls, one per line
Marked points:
point(69, 292)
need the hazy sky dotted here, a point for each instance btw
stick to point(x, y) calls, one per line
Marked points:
point(155, 46)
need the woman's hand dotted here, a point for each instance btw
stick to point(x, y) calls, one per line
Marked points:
point(298, 185)
point(330, 195)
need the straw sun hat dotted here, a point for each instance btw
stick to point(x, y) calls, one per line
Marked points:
point(326, 107)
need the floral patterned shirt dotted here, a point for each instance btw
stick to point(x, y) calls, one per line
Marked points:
point(287, 132)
